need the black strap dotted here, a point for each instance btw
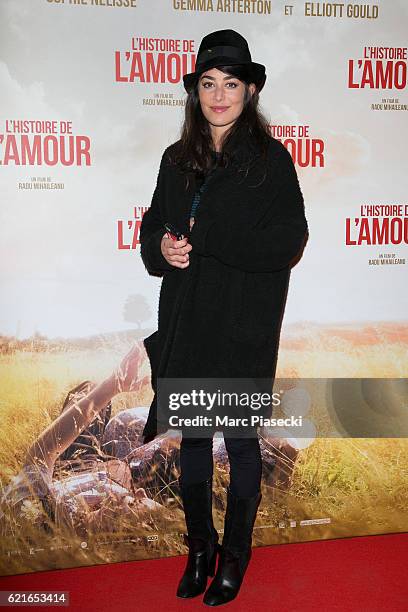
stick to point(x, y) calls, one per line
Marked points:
point(224, 51)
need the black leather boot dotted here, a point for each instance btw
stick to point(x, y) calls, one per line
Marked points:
point(236, 549)
point(202, 538)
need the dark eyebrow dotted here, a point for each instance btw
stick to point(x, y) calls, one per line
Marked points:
point(213, 79)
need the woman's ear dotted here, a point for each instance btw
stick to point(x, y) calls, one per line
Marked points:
point(252, 88)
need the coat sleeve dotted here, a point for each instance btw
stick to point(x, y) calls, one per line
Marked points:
point(264, 249)
point(152, 230)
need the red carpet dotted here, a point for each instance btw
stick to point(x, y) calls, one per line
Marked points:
point(350, 574)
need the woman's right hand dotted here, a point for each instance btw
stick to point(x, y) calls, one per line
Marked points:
point(176, 251)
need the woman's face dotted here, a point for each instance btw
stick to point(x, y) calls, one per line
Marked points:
point(221, 97)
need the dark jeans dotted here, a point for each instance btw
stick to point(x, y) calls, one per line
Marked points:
point(244, 454)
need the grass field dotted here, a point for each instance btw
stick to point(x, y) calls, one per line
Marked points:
point(360, 486)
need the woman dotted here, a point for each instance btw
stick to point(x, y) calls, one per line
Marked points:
point(66, 477)
point(232, 190)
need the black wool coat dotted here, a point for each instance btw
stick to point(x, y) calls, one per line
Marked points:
point(221, 316)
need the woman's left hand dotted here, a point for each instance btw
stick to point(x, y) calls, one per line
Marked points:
point(128, 373)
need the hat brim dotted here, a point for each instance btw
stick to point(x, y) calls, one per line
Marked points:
point(258, 71)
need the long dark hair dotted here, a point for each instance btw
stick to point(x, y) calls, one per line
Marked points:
point(196, 145)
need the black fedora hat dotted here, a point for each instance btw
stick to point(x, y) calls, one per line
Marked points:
point(224, 47)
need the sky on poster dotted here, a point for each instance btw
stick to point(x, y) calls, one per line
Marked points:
point(60, 270)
